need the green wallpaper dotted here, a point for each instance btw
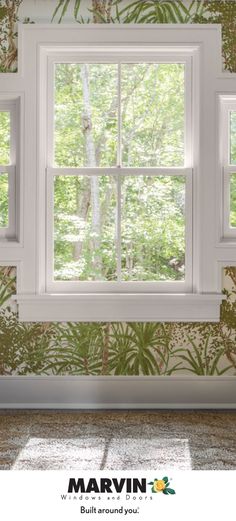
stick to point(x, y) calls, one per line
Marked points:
point(116, 348)
point(115, 11)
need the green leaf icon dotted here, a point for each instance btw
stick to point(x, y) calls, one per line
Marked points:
point(170, 490)
point(165, 479)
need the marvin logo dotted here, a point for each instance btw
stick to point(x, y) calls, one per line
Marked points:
point(114, 485)
point(106, 485)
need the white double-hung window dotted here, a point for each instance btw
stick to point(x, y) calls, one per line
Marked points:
point(119, 172)
point(116, 174)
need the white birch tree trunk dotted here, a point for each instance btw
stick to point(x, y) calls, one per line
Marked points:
point(91, 162)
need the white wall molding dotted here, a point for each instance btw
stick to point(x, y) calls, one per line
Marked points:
point(117, 392)
point(141, 307)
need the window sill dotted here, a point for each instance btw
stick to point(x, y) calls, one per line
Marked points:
point(153, 307)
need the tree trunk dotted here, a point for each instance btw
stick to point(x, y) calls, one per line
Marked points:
point(101, 11)
point(91, 185)
point(83, 204)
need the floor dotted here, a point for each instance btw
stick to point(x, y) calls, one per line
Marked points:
point(180, 440)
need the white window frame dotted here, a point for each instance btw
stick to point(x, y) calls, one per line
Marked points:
point(228, 104)
point(11, 105)
point(201, 301)
point(93, 55)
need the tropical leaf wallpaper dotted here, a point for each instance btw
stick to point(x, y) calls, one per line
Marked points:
point(116, 348)
point(115, 11)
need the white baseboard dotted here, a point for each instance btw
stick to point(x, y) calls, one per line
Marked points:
point(117, 392)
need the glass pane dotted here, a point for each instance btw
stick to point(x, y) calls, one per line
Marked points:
point(3, 200)
point(153, 228)
point(85, 114)
point(233, 138)
point(233, 201)
point(153, 114)
point(84, 228)
point(5, 138)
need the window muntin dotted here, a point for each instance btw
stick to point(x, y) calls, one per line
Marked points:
point(67, 123)
point(8, 124)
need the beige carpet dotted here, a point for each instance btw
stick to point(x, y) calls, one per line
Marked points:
point(174, 440)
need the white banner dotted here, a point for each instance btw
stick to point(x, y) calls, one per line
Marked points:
point(117, 495)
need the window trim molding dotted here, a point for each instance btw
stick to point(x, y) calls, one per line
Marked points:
point(33, 40)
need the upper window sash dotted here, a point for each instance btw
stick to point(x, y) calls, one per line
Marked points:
point(94, 56)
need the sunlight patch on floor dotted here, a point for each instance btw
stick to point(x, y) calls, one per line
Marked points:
point(98, 453)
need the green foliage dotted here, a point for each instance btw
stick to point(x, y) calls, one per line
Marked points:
point(8, 50)
point(136, 342)
point(153, 228)
point(152, 114)
point(140, 348)
point(4, 160)
point(3, 200)
point(158, 11)
point(4, 138)
point(24, 348)
point(3, 13)
point(116, 348)
point(138, 11)
point(228, 311)
point(233, 201)
point(75, 254)
point(77, 349)
point(203, 360)
point(7, 283)
point(72, 120)
point(223, 12)
point(62, 7)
